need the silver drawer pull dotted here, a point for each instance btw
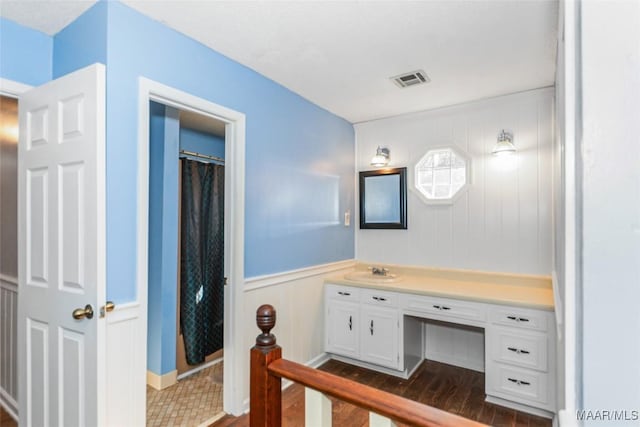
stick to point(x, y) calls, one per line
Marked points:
point(441, 307)
point(518, 319)
point(379, 298)
point(519, 382)
point(346, 294)
point(518, 350)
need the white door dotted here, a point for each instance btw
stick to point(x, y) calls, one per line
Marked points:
point(61, 251)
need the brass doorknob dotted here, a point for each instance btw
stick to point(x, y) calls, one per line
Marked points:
point(81, 313)
point(109, 306)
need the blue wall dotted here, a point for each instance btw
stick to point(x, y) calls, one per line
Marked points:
point(81, 43)
point(201, 142)
point(25, 54)
point(163, 238)
point(299, 157)
point(166, 137)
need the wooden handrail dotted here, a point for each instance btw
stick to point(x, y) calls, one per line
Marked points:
point(268, 367)
point(381, 402)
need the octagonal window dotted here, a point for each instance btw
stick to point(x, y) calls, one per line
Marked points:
point(440, 174)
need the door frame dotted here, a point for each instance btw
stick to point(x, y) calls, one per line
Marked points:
point(150, 90)
point(12, 89)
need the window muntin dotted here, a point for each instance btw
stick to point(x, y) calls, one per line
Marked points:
point(440, 174)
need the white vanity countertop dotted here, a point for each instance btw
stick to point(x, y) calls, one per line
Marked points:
point(497, 288)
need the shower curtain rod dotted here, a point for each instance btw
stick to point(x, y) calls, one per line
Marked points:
point(203, 156)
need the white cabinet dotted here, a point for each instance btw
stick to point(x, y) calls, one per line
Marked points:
point(342, 312)
point(362, 324)
point(446, 309)
point(519, 356)
point(383, 330)
point(379, 335)
point(342, 328)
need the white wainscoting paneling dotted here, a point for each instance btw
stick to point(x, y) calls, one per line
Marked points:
point(503, 221)
point(8, 344)
point(124, 340)
point(298, 297)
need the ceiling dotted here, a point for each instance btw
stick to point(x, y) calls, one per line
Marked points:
point(340, 54)
point(202, 123)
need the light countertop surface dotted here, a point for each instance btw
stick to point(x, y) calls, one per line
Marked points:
point(496, 288)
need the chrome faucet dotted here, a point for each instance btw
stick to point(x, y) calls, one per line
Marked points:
point(378, 271)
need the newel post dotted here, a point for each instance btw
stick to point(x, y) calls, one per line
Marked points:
point(265, 394)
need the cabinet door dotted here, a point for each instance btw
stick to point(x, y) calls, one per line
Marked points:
point(379, 336)
point(342, 328)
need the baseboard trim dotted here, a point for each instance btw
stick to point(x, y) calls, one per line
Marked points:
point(258, 282)
point(160, 382)
point(212, 420)
point(199, 368)
point(519, 407)
point(312, 363)
point(318, 361)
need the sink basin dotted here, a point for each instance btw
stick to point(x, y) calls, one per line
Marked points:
point(367, 276)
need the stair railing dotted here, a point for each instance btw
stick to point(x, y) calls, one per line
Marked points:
point(268, 368)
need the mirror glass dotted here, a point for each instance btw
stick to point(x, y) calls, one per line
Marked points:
point(383, 195)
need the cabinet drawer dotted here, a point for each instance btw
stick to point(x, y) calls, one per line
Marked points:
point(521, 385)
point(380, 298)
point(443, 308)
point(344, 293)
point(519, 318)
point(516, 347)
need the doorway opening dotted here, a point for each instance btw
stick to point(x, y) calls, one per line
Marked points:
point(233, 123)
point(186, 266)
point(8, 258)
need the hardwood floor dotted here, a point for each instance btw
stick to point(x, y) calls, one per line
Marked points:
point(6, 420)
point(453, 389)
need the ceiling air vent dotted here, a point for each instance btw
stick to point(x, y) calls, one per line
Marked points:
point(411, 79)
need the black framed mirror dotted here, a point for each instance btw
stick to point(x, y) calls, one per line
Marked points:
point(383, 199)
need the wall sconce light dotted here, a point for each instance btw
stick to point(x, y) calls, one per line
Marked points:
point(504, 146)
point(381, 158)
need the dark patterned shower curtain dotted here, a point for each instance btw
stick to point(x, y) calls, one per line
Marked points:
point(202, 259)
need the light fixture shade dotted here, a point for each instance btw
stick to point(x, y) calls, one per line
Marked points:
point(504, 146)
point(381, 158)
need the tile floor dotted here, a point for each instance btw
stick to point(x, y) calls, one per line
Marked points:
point(192, 401)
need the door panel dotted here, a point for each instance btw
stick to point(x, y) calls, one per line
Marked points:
point(61, 246)
point(342, 334)
point(379, 336)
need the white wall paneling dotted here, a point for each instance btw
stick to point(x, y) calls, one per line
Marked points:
point(454, 345)
point(503, 222)
point(125, 336)
point(8, 344)
point(298, 298)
